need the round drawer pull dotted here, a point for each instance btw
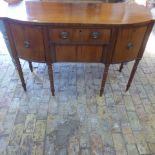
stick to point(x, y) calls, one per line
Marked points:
point(95, 35)
point(64, 35)
point(26, 44)
point(130, 45)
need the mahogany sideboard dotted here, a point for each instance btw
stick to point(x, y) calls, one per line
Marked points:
point(50, 32)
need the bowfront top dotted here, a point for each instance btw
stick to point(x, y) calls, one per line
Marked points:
point(76, 13)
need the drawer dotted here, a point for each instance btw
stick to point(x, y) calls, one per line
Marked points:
point(79, 35)
point(128, 44)
point(95, 35)
point(28, 41)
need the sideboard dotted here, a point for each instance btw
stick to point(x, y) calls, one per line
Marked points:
point(50, 32)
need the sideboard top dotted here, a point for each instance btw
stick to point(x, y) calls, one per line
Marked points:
point(76, 13)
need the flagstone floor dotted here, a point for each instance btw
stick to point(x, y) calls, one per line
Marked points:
point(77, 121)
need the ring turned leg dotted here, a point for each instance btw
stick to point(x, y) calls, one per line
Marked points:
point(105, 73)
point(132, 74)
point(30, 66)
point(50, 72)
point(20, 72)
point(121, 67)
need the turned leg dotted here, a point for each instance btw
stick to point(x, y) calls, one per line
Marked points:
point(20, 72)
point(30, 66)
point(121, 67)
point(50, 72)
point(105, 73)
point(132, 74)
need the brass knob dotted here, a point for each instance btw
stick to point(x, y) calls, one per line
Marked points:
point(64, 35)
point(130, 45)
point(95, 35)
point(26, 44)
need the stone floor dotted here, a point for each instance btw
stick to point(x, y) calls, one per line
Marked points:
point(77, 121)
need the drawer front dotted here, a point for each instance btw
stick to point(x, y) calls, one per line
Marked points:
point(28, 41)
point(79, 35)
point(128, 44)
point(95, 35)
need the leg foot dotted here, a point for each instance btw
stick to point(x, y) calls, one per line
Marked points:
point(20, 72)
point(121, 67)
point(105, 73)
point(50, 72)
point(30, 66)
point(132, 74)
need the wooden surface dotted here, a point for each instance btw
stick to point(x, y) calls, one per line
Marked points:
point(83, 35)
point(31, 35)
point(127, 37)
point(76, 13)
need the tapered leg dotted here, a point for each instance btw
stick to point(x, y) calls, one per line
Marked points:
point(121, 67)
point(105, 73)
point(20, 72)
point(50, 72)
point(30, 66)
point(132, 74)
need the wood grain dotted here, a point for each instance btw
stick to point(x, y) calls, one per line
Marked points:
point(76, 13)
point(89, 54)
point(126, 36)
point(33, 35)
point(65, 53)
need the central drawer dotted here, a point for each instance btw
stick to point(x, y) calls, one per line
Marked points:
point(71, 35)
